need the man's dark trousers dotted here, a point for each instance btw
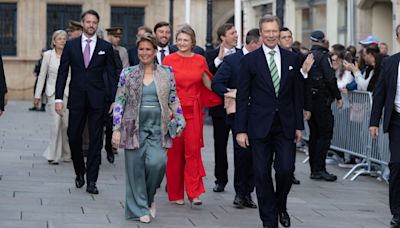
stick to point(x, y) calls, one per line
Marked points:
point(77, 118)
point(243, 175)
point(283, 160)
point(221, 135)
point(321, 132)
point(394, 165)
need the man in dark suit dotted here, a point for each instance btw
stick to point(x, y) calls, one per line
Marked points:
point(286, 42)
point(88, 57)
point(269, 119)
point(227, 35)
point(3, 87)
point(162, 31)
point(226, 81)
point(387, 96)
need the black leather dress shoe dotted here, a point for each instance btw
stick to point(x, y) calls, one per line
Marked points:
point(110, 157)
point(219, 187)
point(248, 202)
point(395, 222)
point(328, 176)
point(91, 188)
point(238, 201)
point(323, 175)
point(79, 181)
point(284, 219)
point(270, 226)
point(295, 180)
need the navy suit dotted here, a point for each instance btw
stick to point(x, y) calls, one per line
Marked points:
point(220, 129)
point(87, 99)
point(227, 77)
point(133, 58)
point(384, 97)
point(270, 123)
point(3, 86)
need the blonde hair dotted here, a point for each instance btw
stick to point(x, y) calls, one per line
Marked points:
point(55, 35)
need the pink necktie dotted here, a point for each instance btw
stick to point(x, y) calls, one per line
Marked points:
point(86, 53)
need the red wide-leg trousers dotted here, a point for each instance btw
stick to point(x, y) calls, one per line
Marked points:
point(185, 168)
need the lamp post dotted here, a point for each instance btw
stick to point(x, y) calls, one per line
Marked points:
point(171, 18)
point(209, 45)
point(280, 10)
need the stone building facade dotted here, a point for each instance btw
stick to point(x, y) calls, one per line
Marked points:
point(26, 27)
point(343, 21)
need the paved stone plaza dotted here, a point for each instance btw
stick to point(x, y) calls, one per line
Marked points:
point(34, 194)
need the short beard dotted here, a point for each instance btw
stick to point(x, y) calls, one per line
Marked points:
point(162, 45)
point(91, 34)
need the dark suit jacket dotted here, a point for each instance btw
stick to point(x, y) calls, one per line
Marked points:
point(197, 50)
point(133, 58)
point(256, 102)
point(3, 86)
point(118, 69)
point(227, 75)
point(217, 111)
point(385, 92)
point(86, 80)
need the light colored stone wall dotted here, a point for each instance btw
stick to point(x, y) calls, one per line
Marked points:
point(382, 22)
point(396, 21)
point(31, 30)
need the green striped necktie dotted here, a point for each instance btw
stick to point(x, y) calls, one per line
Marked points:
point(274, 71)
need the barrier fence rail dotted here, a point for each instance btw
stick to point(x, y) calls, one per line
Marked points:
point(351, 135)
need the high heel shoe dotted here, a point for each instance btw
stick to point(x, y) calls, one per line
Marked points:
point(145, 219)
point(152, 210)
point(179, 202)
point(195, 201)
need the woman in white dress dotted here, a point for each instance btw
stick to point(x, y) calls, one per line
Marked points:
point(58, 149)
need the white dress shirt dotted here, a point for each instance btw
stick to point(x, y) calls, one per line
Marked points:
point(245, 51)
point(166, 48)
point(277, 57)
point(397, 97)
point(92, 44)
point(227, 51)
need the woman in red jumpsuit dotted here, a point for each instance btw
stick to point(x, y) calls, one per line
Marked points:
point(185, 168)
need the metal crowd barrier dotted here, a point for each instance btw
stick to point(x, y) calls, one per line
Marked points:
point(351, 135)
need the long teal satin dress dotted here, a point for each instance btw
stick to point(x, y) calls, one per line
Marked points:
point(145, 166)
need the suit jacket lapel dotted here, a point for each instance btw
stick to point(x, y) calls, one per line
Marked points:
point(264, 68)
point(284, 69)
point(95, 52)
point(395, 69)
point(79, 48)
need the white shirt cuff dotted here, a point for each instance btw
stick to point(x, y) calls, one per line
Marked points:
point(357, 74)
point(305, 75)
point(58, 101)
point(217, 62)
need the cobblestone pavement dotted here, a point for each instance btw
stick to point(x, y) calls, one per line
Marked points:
point(36, 194)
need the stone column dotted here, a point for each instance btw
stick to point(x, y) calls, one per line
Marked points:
point(396, 21)
point(332, 22)
point(290, 17)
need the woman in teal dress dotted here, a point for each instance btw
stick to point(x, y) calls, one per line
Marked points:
point(147, 114)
